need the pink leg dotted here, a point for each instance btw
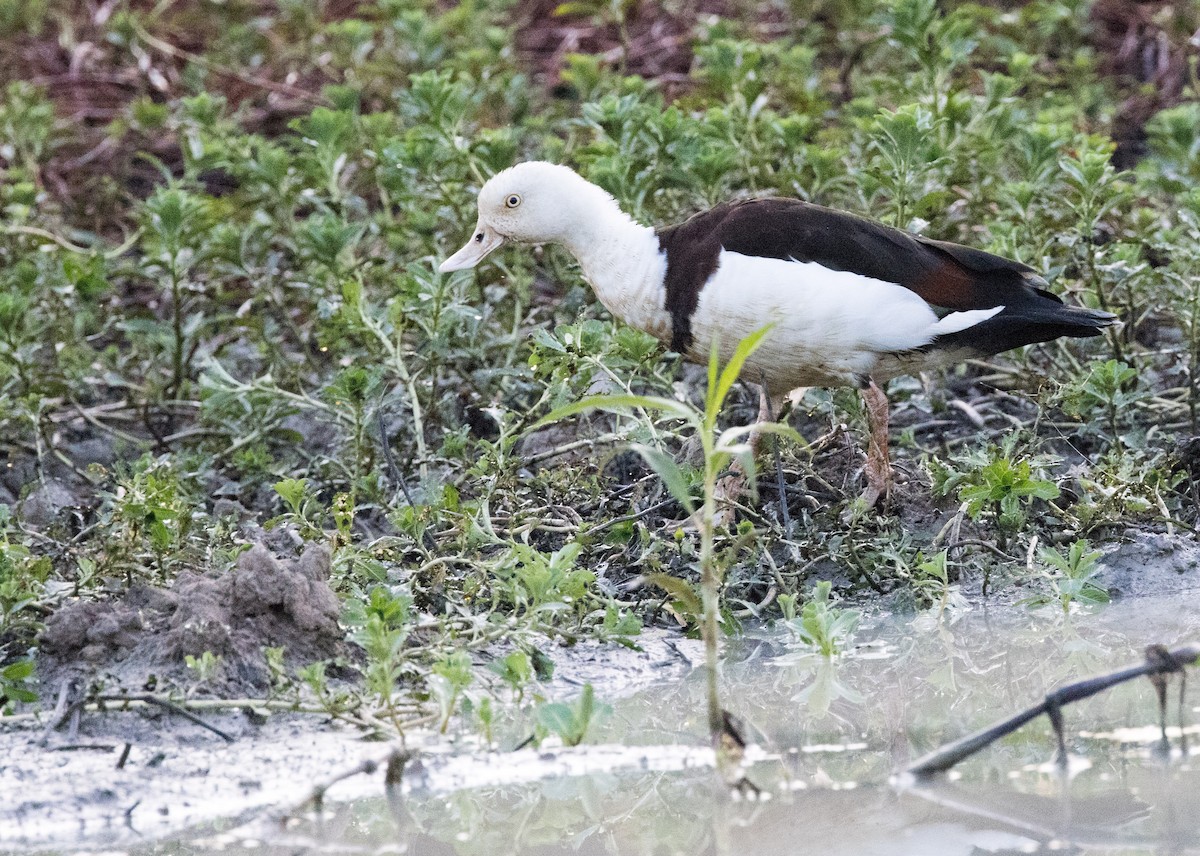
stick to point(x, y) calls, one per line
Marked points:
point(878, 470)
point(731, 487)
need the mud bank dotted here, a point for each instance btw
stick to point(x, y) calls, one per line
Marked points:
point(146, 637)
point(122, 777)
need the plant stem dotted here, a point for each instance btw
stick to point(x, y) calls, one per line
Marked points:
point(710, 589)
point(177, 328)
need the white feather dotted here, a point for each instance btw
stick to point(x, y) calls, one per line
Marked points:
point(831, 325)
point(956, 321)
point(625, 266)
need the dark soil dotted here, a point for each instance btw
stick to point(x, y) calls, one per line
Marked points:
point(1145, 47)
point(144, 638)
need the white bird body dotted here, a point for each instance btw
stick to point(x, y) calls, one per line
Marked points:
point(851, 301)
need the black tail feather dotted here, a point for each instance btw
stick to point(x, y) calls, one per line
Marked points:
point(1027, 324)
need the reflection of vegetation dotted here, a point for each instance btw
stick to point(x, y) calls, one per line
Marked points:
point(842, 805)
point(824, 689)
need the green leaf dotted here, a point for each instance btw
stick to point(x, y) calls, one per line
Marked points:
point(556, 718)
point(680, 590)
point(18, 671)
point(619, 403)
point(669, 472)
point(291, 491)
point(732, 369)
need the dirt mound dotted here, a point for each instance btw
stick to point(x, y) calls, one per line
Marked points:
point(147, 635)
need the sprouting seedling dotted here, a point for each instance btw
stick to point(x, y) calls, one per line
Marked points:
point(820, 624)
point(719, 449)
point(571, 721)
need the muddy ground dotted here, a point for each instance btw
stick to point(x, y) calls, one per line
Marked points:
point(123, 777)
point(116, 777)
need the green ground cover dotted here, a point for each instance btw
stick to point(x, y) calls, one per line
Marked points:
point(221, 321)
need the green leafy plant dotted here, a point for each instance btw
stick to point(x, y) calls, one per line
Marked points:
point(531, 580)
point(22, 578)
point(718, 450)
point(996, 484)
point(931, 579)
point(571, 722)
point(451, 675)
point(821, 625)
point(516, 670)
point(1111, 386)
point(1073, 577)
point(16, 684)
point(381, 624)
point(206, 667)
point(304, 511)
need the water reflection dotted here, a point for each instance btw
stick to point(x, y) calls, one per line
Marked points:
point(832, 735)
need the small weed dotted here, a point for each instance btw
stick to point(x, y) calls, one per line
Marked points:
point(451, 675)
point(996, 484)
point(16, 684)
point(718, 450)
point(516, 670)
point(205, 668)
point(821, 625)
point(931, 580)
point(381, 625)
point(1111, 387)
point(304, 512)
point(570, 722)
point(1073, 576)
point(22, 577)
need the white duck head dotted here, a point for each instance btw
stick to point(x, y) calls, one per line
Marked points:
point(536, 203)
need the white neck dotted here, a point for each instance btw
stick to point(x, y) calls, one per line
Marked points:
point(621, 260)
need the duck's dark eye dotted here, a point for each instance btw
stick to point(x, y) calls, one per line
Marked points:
point(479, 238)
point(513, 201)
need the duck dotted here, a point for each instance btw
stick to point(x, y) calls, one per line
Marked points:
point(849, 301)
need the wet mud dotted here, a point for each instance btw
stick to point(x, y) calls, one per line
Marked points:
point(827, 739)
point(144, 638)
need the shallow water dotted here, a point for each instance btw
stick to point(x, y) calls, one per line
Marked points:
point(828, 739)
point(830, 736)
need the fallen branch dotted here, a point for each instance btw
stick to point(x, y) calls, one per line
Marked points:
point(1159, 663)
point(171, 707)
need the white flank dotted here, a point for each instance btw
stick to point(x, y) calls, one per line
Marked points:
point(831, 326)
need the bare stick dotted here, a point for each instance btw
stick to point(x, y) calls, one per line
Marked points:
point(1158, 661)
point(390, 459)
point(173, 708)
point(60, 713)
